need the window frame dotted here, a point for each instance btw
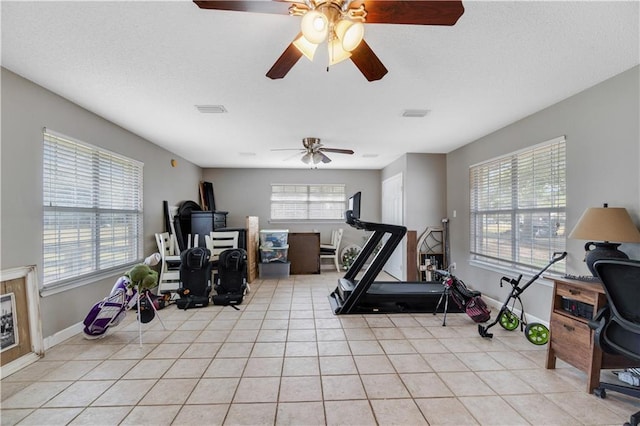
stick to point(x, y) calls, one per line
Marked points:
point(308, 202)
point(539, 221)
point(98, 206)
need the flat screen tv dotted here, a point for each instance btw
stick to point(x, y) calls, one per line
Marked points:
point(354, 205)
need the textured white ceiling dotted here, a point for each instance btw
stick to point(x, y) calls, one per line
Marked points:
point(145, 65)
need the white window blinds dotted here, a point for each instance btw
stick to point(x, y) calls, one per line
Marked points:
point(92, 201)
point(517, 206)
point(307, 202)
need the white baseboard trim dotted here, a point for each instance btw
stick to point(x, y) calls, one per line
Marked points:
point(69, 332)
point(496, 305)
point(62, 335)
point(18, 364)
point(48, 342)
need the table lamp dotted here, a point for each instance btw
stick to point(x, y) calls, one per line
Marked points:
point(605, 224)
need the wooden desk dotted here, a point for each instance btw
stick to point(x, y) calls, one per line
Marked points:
point(304, 252)
point(571, 338)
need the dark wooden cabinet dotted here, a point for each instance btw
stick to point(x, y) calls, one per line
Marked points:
point(203, 222)
point(304, 252)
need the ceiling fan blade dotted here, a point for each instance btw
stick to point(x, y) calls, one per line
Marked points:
point(285, 62)
point(368, 63)
point(325, 159)
point(337, 150)
point(291, 157)
point(416, 12)
point(276, 7)
point(287, 149)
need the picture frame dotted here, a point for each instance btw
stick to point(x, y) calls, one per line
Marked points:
point(20, 301)
point(9, 337)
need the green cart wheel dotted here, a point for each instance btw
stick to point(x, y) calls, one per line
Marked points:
point(509, 321)
point(537, 333)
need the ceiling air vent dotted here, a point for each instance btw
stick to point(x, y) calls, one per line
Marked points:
point(211, 109)
point(415, 113)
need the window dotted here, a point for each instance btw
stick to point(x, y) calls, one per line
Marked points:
point(518, 205)
point(92, 203)
point(307, 202)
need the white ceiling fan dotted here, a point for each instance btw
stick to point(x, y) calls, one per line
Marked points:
point(313, 151)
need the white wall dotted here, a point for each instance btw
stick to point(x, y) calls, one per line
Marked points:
point(247, 192)
point(26, 109)
point(603, 139)
point(425, 190)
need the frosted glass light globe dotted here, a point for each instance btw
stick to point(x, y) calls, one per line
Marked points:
point(315, 26)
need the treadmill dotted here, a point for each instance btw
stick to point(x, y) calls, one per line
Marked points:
point(365, 295)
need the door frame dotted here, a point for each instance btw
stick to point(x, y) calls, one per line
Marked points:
point(395, 265)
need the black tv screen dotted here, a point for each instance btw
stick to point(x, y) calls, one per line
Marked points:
point(354, 205)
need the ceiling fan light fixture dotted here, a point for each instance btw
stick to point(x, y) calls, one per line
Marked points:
point(315, 26)
point(317, 157)
point(306, 159)
point(307, 48)
point(349, 33)
point(336, 52)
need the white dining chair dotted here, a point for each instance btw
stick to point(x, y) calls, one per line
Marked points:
point(331, 251)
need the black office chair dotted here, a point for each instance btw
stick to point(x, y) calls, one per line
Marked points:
point(617, 326)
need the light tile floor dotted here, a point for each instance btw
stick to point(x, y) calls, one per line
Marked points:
point(284, 358)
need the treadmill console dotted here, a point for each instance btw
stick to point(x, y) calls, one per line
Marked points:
point(352, 220)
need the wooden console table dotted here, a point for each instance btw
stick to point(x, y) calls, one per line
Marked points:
point(304, 252)
point(571, 338)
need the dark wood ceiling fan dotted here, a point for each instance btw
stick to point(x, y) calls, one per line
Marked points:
point(411, 12)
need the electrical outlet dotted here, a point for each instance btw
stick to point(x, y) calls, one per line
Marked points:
point(453, 266)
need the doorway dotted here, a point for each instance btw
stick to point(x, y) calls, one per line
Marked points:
point(392, 213)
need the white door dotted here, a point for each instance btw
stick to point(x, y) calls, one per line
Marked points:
point(392, 213)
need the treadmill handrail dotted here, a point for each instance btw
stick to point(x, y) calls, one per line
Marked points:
point(373, 226)
point(396, 232)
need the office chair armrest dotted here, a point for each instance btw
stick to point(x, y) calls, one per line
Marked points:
point(600, 318)
point(598, 324)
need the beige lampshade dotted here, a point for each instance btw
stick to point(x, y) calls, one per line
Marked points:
point(606, 224)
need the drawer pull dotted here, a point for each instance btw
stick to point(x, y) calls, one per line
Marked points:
point(568, 327)
point(574, 291)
